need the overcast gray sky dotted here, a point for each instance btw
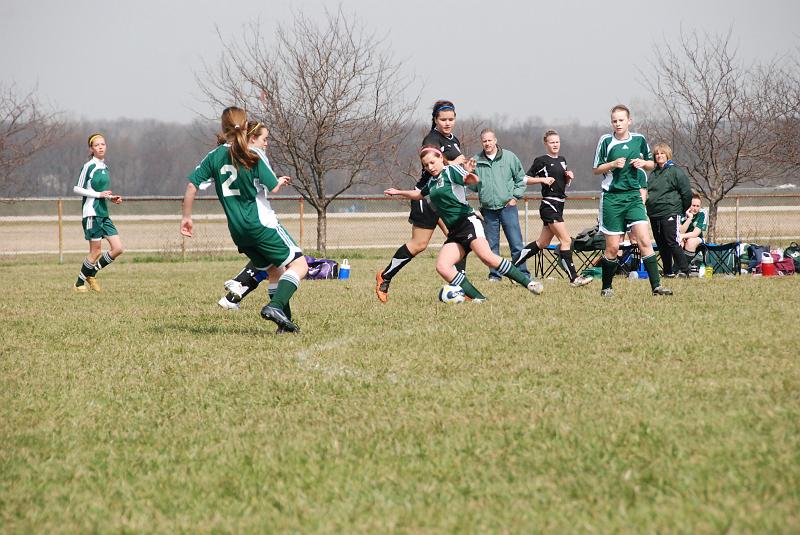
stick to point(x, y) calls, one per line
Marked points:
point(564, 60)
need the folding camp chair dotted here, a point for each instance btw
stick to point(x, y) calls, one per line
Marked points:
point(723, 258)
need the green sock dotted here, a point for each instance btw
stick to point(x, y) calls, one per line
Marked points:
point(288, 308)
point(469, 290)
point(609, 269)
point(510, 270)
point(287, 285)
point(651, 265)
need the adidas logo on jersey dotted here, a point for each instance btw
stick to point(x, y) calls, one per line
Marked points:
point(624, 146)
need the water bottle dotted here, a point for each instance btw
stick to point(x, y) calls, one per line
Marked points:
point(701, 271)
point(642, 272)
point(344, 269)
point(709, 272)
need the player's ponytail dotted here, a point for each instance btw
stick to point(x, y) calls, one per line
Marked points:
point(234, 132)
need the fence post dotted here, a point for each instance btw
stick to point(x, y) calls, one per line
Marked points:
point(736, 219)
point(302, 224)
point(60, 232)
point(183, 248)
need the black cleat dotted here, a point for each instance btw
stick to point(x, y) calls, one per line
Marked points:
point(279, 318)
point(660, 290)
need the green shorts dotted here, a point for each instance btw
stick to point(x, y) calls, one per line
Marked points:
point(619, 211)
point(96, 228)
point(274, 247)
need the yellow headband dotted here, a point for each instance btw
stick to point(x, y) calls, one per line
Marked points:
point(254, 129)
point(93, 136)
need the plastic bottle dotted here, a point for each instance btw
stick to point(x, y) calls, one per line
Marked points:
point(642, 272)
point(709, 272)
point(344, 269)
point(701, 271)
point(767, 265)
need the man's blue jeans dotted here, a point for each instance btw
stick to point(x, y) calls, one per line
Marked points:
point(508, 217)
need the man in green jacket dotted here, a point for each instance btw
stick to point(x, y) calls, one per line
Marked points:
point(669, 195)
point(501, 185)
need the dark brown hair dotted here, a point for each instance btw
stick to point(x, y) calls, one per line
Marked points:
point(438, 106)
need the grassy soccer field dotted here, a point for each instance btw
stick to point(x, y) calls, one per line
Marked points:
point(146, 408)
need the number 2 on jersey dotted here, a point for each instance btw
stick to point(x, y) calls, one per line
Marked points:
point(227, 190)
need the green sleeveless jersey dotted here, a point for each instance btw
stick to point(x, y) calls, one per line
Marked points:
point(241, 191)
point(627, 178)
point(94, 176)
point(448, 194)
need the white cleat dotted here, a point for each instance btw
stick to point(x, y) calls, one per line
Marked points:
point(227, 305)
point(235, 287)
point(535, 287)
point(581, 281)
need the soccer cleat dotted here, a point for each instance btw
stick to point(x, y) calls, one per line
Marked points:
point(660, 290)
point(92, 282)
point(82, 289)
point(682, 275)
point(535, 287)
point(236, 288)
point(607, 292)
point(279, 318)
point(580, 281)
point(670, 275)
point(494, 279)
point(381, 287)
point(228, 305)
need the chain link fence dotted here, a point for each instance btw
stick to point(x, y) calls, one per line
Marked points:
point(48, 226)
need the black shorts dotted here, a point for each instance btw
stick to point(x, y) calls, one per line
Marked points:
point(465, 231)
point(423, 215)
point(551, 211)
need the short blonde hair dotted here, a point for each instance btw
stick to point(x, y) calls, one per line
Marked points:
point(663, 147)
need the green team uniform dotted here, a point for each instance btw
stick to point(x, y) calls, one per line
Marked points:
point(94, 211)
point(253, 225)
point(621, 202)
point(698, 222)
point(448, 195)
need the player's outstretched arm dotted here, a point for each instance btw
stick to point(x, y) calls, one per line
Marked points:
point(188, 201)
point(413, 194)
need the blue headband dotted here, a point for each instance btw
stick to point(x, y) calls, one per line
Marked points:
point(445, 107)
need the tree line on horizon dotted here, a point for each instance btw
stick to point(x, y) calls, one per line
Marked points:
point(336, 102)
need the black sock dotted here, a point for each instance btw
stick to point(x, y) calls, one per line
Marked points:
point(401, 257)
point(104, 260)
point(529, 251)
point(461, 265)
point(87, 270)
point(609, 270)
point(565, 259)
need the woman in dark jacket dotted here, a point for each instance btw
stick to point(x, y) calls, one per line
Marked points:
point(669, 194)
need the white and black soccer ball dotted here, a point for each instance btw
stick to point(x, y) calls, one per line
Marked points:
point(451, 294)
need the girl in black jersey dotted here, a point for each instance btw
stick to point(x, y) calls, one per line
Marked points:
point(423, 217)
point(551, 172)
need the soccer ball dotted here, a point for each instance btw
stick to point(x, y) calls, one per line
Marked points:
point(451, 294)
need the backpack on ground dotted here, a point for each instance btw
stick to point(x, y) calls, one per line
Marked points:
point(321, 268)
point(793, 252)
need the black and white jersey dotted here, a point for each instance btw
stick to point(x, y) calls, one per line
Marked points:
point(449, 145)
point(547, 166)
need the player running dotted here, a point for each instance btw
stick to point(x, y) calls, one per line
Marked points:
point(446, 190)
point(241, 178)
point(551, 172)
point(423, 216)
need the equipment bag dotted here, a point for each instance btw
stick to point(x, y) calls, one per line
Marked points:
point(793, 252)
point(321, 268)
point(755, 252)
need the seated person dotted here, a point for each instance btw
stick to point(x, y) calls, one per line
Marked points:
point(692, 226)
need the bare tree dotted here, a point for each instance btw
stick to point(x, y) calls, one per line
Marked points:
point(727, 121)
point(26, 128)
point(331, 95)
